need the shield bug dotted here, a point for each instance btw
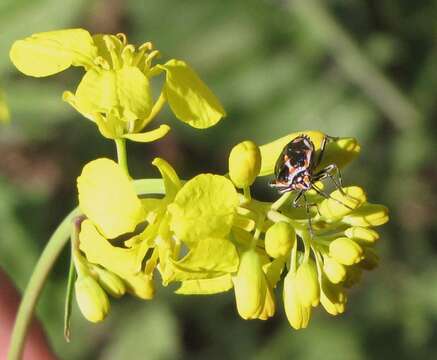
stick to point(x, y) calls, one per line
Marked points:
point(296, 170)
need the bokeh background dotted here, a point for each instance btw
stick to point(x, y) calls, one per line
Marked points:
point(349, 68)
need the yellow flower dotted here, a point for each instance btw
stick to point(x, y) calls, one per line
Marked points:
point(115, 92)
point(111, 213)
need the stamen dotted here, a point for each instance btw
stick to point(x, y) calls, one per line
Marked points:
point(122, 37)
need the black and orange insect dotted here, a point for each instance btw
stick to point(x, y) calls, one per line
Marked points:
point(297, 170)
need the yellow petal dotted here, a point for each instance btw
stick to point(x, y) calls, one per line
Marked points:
point(211, 255)
point(172, 183)
point(273, 271)
point(149, 136)
point(206, 286)
point(125, 91)
point(48, 53)
point(332, 297)
point(189, 98)
point(108, 198)
point(204, 207)
point(121, 261)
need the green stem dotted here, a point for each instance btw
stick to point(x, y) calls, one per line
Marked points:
point(45, 263)
point(42, 269)
point(121, 154)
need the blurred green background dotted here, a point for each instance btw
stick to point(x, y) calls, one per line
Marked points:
point(349, 68)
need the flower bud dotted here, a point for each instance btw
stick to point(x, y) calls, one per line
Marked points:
point(307, 284)
point(334, 271)
point(110, 282)
point(250, 286)
point(345, 251)
point(340, 204)
point(298, 315)
point(279, 239)
point(362, 235)
point(244, 163)
point(92, 300)
point(332, 297)
point(368, 215)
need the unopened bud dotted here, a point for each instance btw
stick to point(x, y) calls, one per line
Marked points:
point(244, 163)
point(307, 284)
point(250, 286)
point(110, 282)
point(279, 239)
point(345, 251)
point(298, 315)
point(362, 235)
point(92, 300)
point(334, 271)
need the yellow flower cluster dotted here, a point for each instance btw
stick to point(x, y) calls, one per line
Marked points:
point(210, 238)
point(207, 234)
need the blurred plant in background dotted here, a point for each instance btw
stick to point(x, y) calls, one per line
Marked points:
point(278, 67)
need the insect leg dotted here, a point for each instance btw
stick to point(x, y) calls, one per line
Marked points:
point(325, 141)
point(296, 199)
point(327, 172)
point(327, 196)
point(322, 151)
point(307, 209)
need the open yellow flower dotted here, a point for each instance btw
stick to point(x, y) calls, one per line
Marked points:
point(107, 198)
point(115, 91)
